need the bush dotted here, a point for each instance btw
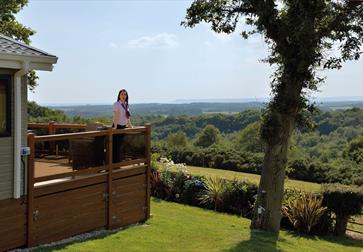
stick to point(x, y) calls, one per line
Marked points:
point(344, 201)
point(159, 188)
point(239, 198)
point(193, 188)
point(305, 211)
point(215, 188)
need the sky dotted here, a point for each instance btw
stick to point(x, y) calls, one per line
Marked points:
point(103, 46)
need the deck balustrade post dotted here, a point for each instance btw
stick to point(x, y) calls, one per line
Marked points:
point(148, 163)
point(109, 180)
point(51, 131)
point(30, 189)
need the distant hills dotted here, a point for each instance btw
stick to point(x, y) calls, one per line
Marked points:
point(266, 99)
point(190, 109)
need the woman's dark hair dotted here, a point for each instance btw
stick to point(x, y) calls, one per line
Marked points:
point(127, 95)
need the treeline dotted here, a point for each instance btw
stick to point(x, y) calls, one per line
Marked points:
point(189, 109)
point(332, 152)
point(41, 114)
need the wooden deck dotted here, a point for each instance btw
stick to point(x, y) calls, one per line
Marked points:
point(64, 200)
point(44, 168)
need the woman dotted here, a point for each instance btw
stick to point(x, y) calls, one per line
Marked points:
point(121, 112)
point(121, 120)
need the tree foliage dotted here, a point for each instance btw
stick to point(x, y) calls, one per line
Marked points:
point(178, 139)
point(303, 38)
point(10, 27)
point(354, 150)
point(208, 136)
point(249, 140)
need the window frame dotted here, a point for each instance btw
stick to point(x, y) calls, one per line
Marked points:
point(7, 79)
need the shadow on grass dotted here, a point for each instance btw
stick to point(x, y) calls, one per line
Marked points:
point(157, 200)
point(259, 242)
point(342, 240)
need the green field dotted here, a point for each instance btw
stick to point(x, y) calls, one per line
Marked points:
point(176, 227)
point(254, 178)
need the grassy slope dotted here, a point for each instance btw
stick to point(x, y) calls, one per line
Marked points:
point(176, 227)
point(289, 183)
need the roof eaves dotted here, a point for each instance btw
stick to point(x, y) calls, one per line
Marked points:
point(28, 46)
point(33, 58)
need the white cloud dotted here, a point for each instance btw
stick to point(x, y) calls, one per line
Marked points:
point(162, 40)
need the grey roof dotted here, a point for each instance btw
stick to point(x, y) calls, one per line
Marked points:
point(11, 46)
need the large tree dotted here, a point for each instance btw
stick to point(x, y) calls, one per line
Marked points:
point(304, 37)
point(10, 27)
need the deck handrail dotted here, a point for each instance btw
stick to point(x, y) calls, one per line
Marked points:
point(94, 133)
point(56, 125)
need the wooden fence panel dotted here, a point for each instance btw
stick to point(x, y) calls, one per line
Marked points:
point(12, 224)
point(129, 200)
point(110, 195)
point(60, 215)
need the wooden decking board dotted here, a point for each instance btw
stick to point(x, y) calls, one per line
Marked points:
point(44, 214)
point(125, 202)
point(69, 185)
point(12, 224)
point(53, 225)
point(74, 196)
point(127, 210)
point(79, 210)
point(131, 179)
point(45, 168)
point(127, 172)
point(129, 219)
point(129, 187)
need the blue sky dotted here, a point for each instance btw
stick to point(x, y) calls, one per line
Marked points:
point(104, 46)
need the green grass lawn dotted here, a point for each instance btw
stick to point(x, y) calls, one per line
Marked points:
point(289, 183)
point(358, 219)
point(176, 227)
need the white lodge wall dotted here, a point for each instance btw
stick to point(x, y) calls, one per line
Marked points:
point(7, 152)
point(7, 143)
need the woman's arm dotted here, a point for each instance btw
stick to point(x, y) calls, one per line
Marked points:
point(115, 119)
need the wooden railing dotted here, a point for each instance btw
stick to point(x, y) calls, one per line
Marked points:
point(52, 126)
point(106, 172)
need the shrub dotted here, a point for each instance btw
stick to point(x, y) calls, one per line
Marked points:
point(239, 198)
point(158, 188)
point(193, 188)
point(344, 201)
point(177, 185)
point(215, 187)
point(304, 212)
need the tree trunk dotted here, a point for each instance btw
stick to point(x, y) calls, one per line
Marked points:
point(267, 210)
point(341, 225)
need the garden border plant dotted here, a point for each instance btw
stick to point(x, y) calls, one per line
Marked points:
point(303, 211)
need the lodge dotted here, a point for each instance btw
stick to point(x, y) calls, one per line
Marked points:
point(59, 180)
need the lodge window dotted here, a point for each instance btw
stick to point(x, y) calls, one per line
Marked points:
point(5, 116)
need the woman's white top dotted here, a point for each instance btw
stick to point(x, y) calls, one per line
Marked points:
point(117, 107)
